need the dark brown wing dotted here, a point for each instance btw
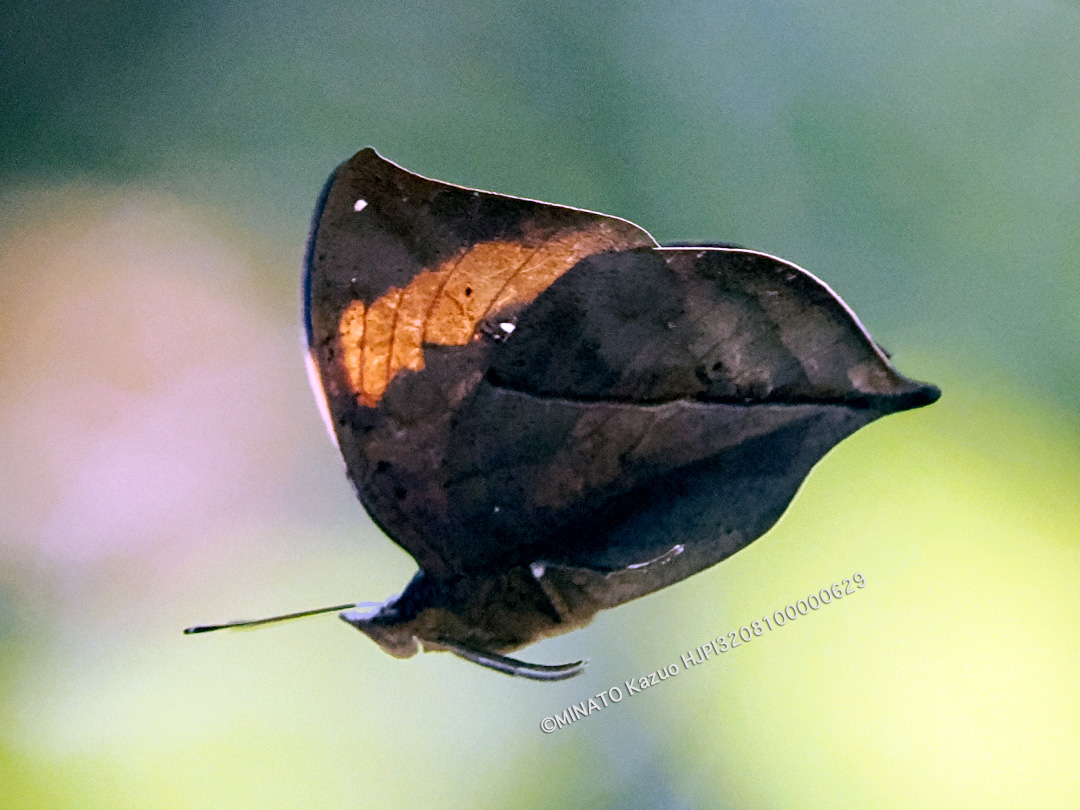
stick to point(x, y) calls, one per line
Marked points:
point(662, 397)
point(405, 277)
point(717, 325)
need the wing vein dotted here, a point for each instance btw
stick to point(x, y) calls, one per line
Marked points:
point(390, 370)
point(512, 276)
point(439, 292)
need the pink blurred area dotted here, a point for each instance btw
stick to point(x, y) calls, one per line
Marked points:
point(144, 380)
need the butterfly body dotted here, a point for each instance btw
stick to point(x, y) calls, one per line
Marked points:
point(552, 413)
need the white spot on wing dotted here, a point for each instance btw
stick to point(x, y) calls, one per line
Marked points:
point(507, 327)
point(359, 205)
point(537, 569)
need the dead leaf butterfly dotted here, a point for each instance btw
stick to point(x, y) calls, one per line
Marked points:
point(552, 413)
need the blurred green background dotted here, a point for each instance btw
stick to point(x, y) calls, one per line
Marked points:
point(162, 462)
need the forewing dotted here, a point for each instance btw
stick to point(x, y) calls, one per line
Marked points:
point(405, 274)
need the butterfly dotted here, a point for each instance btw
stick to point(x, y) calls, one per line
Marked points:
point(554, 414)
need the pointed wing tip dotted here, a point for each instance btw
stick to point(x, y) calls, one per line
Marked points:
point(927, 394)
point(907, 397)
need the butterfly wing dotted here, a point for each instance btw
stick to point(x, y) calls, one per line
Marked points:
point(655, 398)
point(717, 325)
point(407, 282)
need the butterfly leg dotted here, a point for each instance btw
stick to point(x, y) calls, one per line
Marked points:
point(514, 667)
point(560, 611)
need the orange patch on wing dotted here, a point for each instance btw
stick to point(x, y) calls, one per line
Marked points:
point(378, 337)
point(351, 340)
point(547, 265)
point(416, 303)
point(445, 305)
point(471, 287)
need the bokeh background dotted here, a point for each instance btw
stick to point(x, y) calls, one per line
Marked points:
point(162, 462)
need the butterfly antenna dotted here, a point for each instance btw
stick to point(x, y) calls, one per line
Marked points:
point(206, 628)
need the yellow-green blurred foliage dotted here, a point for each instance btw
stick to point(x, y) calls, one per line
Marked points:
point(162, 463)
